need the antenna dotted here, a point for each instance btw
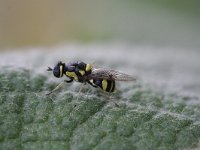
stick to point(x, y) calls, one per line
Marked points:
point(49, 69)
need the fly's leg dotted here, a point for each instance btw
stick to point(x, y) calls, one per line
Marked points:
point(88, 93)
point(79, 91)
point(56, 88)
point(95, 86)
point(69, 81)
point(60, 85)
point(109, 97)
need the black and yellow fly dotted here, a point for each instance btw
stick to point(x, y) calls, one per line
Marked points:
point(86, 73)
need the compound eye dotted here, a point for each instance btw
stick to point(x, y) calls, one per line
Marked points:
point(56, 71)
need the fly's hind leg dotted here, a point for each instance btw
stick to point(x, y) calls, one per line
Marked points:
point(92, 84)
point(109, 97)
point(79, 91)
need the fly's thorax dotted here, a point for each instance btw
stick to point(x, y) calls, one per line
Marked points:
point(78, 71)
point(71, 75)
point(84, 69)
point(74, 72)
point(82, 72)
point(88, 68)
point(70, 72)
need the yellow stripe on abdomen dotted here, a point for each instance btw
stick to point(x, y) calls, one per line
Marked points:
point(104, 84)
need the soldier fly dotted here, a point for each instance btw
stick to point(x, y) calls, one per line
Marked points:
point(86, 73)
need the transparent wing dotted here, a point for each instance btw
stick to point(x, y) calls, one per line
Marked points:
point(103, 73)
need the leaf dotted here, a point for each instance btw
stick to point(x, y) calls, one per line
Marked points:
point(90, 120)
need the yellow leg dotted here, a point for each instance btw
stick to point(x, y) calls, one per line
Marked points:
point(56, 88)
point(109, 97)
point(79, 91)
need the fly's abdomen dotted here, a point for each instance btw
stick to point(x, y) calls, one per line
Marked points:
point(106, 85)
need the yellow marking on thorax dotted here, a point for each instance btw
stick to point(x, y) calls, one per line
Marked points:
point(82, 72)
point(88, 67)
point(61, 70)
point(72, 74)
point(104, 84)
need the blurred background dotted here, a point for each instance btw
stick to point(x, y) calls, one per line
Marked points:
point(51, 22)
point(158, 41)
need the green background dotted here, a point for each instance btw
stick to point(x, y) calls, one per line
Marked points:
point(67, 120)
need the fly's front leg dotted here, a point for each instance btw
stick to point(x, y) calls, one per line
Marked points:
point(69, 81)
point(56, 88)
point(60, 85)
